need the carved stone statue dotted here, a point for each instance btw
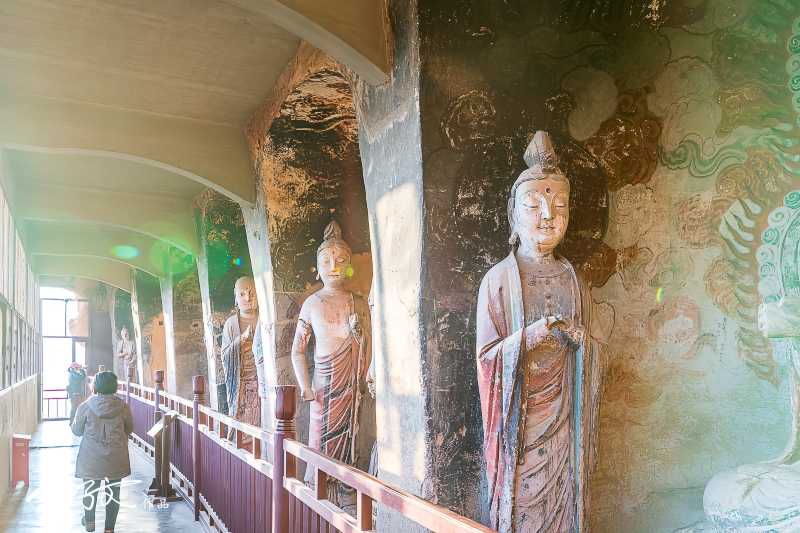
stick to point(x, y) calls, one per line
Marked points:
point(126, 352)
point(244, 380)
point(766, 496)
point(538, 368)
point(339, 322)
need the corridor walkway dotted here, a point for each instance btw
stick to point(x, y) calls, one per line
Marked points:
point(52, 504)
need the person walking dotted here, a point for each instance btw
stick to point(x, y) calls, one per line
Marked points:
point(104, 421)
point(76, 388)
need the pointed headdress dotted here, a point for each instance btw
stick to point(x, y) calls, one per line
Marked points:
point(333, 237)
point(542, 160)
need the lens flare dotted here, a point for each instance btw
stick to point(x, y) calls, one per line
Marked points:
point(349, 271)
point(659, 295)
point(125, 251)
point(236, 261)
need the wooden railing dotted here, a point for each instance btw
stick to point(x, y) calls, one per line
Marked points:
point(55, 404)
point(241, 478)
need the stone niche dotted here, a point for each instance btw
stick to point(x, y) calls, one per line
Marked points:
point(309, 173)
point(148, 320)
point(227, 258)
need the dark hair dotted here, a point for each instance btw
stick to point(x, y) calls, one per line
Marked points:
point(105, 383)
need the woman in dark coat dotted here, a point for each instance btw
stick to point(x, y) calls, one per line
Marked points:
point(105, 422)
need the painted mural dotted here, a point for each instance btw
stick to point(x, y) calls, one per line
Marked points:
point(679, 122)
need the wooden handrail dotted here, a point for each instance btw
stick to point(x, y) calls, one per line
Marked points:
point(279, 464)
point(424, 513)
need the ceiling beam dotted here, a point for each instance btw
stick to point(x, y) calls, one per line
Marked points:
point(117, 244)
point(213, 155)
point(110, 272)
point(354, 32)
point(170, 219)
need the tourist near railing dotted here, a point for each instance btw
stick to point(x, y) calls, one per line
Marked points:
point(243, 460)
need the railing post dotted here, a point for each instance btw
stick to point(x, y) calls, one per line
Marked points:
point(285, 400)
point(158, 377)
point(128, 388)
point(199, 389)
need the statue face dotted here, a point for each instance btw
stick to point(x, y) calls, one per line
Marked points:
point(124, 334)
point(246, 299)
point(333, 265)
point(541, 212)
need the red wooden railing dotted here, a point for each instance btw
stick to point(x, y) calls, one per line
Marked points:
point(55, 404)
point(242, 479)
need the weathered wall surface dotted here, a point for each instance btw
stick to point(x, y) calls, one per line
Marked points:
point(187, 307)
point(18, 414)
point(101, 343)
point(675, 122)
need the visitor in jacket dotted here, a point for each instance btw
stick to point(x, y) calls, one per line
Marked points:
point(105, 422)
point(76, 388)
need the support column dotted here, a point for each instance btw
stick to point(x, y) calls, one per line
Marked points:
point(391, 154)
point(214, 366)
point(169, 333)
point(277, 371)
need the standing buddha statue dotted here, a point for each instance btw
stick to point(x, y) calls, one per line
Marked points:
point(338, 321)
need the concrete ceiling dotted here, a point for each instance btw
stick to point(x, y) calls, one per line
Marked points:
point(114, 115)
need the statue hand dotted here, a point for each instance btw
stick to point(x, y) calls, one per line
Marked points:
point(534, 333)
point(308, 394)
point(371, 386)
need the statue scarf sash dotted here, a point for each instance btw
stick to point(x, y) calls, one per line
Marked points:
point(334, 413)
point(500, 346)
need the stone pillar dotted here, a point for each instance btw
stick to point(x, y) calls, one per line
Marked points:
point(183, 324)
point(275, 370)
point(148, 323)
point(391, 154)
point(209, 339)
point(168, 321)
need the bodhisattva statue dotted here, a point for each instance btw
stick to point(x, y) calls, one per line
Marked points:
point(243, 379)
point(126, 351)
point(538, 368)
point(339, 323)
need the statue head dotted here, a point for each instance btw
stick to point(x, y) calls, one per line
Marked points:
point(333, 257)
point(245, 291)
point(124, 333)
point(538, 205)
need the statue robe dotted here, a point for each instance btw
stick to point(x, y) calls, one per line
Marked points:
point(501, 355)
point(231, 362)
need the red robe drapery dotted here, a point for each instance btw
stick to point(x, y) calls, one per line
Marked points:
point(500, 347)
